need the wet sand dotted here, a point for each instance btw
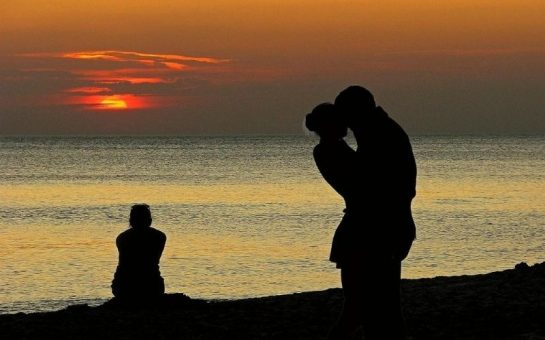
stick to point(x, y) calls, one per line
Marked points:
point(500, 305)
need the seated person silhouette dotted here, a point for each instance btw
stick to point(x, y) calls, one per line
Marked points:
point(137, 277)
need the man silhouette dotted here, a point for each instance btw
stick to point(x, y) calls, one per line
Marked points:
point(386, 181)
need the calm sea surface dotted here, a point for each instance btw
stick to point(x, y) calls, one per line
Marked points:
point(245, 216)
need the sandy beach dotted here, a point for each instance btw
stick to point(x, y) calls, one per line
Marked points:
point(501, 305)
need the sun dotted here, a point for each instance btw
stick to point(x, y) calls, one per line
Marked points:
point(116, 102)
point(113, 104)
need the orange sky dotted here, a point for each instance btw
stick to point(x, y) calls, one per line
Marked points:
point(257, 66)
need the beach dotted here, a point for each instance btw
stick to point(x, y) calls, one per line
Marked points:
point(507, 304)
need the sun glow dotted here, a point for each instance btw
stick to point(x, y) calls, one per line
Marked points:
point(113, 103)
point(117, 102)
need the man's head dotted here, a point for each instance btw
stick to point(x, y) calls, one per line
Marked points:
point(353, 103)
point(140, 216)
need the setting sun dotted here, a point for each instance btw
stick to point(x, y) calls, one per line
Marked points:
point(90, 98)
point(113, 104)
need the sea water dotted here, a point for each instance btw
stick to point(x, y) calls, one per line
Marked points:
point(246, 216)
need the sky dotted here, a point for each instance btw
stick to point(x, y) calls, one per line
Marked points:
point(180, 67)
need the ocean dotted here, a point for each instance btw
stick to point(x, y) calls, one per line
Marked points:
point(246, 216)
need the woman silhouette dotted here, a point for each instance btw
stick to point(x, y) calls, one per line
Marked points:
point(337, 163)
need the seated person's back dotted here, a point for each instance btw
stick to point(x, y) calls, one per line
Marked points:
point(140, 248)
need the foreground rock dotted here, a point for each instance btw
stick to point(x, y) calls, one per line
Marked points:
point(500, 305)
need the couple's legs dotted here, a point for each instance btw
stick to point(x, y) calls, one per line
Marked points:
point(372, 300)
point(384, 319)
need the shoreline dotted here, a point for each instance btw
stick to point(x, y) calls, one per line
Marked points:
point(507, 304)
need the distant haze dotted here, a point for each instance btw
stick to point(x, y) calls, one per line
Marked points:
point(256, 67)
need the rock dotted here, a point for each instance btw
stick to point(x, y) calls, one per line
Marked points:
point(522, 266)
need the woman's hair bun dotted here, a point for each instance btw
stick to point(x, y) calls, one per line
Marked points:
point(310, 122)
point(320, 116)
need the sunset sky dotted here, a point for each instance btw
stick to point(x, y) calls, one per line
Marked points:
point(256, 67)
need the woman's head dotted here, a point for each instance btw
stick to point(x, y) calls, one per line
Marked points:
point(326, 122)
point(140, 216)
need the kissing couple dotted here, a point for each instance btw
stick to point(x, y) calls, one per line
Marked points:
point(377, 182)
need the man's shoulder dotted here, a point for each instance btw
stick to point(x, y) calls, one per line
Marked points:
point(124, 233)
point(158, 233)
point(396, 131)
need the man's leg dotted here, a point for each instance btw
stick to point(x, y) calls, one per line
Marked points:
point(382, 318)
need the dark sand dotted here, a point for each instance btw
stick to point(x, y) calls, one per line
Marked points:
point(500, 305)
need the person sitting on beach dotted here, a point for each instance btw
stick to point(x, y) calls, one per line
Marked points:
point(137, 277)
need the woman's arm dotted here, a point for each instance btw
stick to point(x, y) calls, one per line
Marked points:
point(337, 164)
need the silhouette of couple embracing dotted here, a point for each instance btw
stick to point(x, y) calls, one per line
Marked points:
point(377, 182)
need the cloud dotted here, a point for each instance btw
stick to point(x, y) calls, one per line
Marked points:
point(127, 56)
point(90, 90)
point(121, 79)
